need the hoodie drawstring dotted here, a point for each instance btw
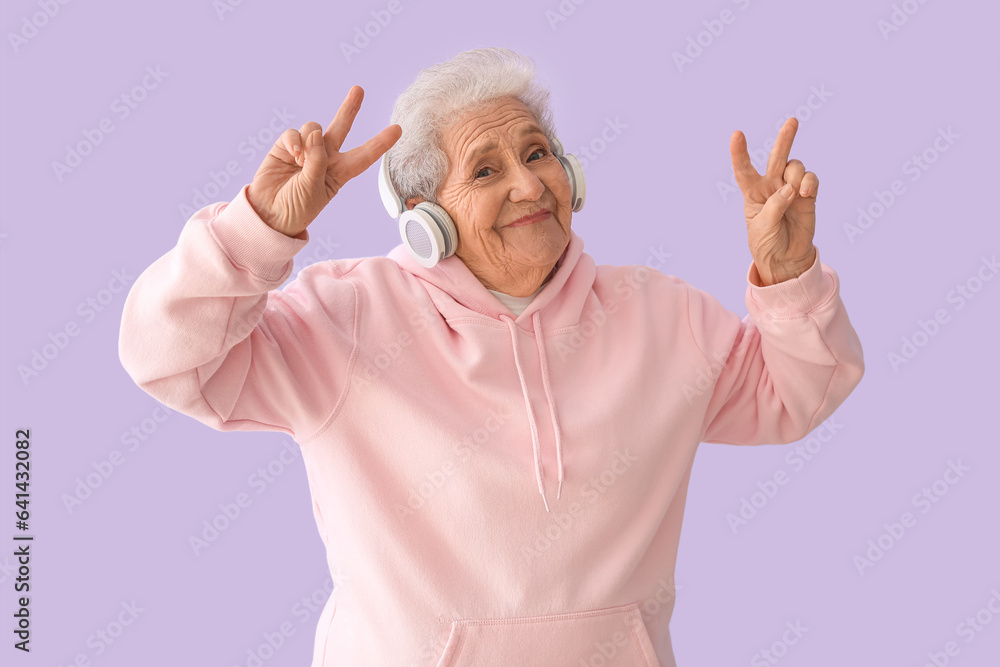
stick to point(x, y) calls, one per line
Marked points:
point(536, 320)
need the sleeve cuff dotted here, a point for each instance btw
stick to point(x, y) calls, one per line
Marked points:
point(251, 243)
point(813, 288)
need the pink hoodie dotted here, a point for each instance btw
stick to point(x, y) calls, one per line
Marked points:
point(495, 490)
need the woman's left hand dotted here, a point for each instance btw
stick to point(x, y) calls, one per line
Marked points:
point(780, 230)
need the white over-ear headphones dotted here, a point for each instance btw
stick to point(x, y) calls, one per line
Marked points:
point(427, 230)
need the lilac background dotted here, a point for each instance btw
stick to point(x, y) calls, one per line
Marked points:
point(656, 185)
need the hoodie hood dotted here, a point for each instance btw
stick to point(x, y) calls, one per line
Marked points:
point(558, 305)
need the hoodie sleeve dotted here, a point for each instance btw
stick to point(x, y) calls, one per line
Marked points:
point(785, 367)
point(206, 331)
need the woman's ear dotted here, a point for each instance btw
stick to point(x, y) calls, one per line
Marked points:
point(413, 201)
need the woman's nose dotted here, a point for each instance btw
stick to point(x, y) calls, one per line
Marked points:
point(525, 184)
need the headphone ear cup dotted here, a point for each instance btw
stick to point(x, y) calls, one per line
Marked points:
point(427, 230)
point(429, 233)
point(577, 183)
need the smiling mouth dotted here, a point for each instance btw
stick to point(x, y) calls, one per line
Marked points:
point(528, 219)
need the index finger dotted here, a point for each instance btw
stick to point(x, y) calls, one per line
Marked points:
point(778, 158)
point(742, 166)
point(338, 128)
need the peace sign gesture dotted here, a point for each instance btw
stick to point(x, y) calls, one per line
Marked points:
point(306, 168)
point(780, 207)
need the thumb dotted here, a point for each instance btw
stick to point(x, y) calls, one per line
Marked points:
point(314, 168)
point(776, 205)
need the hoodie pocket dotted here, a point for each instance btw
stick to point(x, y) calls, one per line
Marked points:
point(612, 637)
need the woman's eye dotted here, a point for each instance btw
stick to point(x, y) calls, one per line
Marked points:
point(539, 152)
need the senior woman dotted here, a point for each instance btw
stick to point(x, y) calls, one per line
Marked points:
point(498, 445)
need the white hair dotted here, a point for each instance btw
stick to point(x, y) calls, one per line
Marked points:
point(444, 92)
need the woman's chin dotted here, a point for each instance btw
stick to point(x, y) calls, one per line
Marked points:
point(528, 240)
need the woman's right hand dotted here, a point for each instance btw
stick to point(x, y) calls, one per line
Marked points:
point(305, 169)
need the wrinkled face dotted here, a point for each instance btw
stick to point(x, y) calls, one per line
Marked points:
point(500, 170)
